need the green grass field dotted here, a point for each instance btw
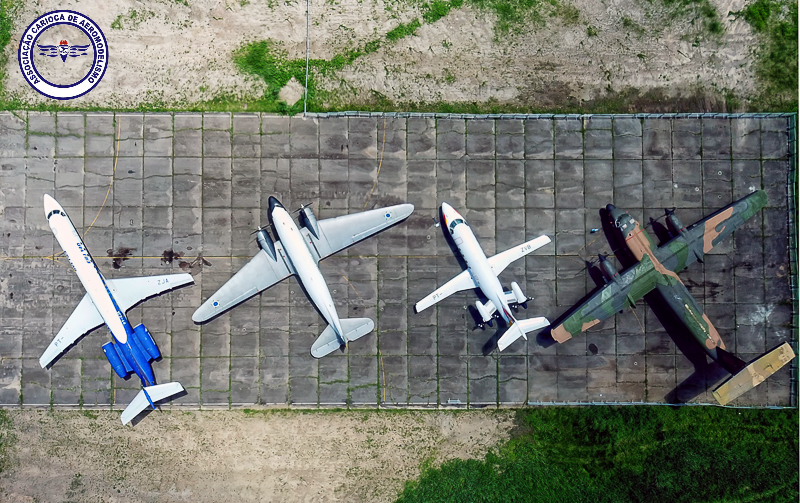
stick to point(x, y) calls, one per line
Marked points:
point(621, 454)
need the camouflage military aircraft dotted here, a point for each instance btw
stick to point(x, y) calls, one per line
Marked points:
point(657, 268)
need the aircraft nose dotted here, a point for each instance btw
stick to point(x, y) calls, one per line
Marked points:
point(274, 203)
point(50, 204)
point(614, 212)
point(449, 213)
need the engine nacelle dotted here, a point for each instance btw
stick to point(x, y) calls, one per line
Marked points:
point(146, 341)
point(117, 361)
point(674, 224)
point(608, 269)
point(518, 295)
point(265, 243)
point(309, 221)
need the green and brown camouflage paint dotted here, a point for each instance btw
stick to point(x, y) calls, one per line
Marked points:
point(658, 267)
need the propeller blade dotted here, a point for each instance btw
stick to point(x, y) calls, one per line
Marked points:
point(303, 206)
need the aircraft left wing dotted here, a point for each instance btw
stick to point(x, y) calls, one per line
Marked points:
point(500, 261)
point(130, 291)
point(257, 275)
point(628, 287)
point(83, 320)
point(336, 234)
point(461, 282)
point(702, 236)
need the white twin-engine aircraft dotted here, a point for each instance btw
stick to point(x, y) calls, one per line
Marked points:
point(106, 302)
point(297, 251)
point(482, 273)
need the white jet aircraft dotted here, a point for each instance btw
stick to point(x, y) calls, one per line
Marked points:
point(482, 273)
point(107, 301)
point(297, 251)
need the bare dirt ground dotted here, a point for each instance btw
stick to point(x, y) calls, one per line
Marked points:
point(163, 51)
point(231, 456)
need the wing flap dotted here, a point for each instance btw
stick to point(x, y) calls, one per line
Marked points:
point(461, 282)
point(130, 291)
point(260, 273)
point(500, 261)
point(83, 320)
point(338, 233)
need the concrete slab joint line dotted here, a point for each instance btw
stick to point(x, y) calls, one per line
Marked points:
point(198, 183)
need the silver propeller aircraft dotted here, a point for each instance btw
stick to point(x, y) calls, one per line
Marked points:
point(482, 273)
point(297, 251)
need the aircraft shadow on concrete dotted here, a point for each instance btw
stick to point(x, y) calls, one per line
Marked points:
point(706, 372)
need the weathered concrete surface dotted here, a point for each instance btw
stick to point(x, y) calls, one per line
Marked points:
point(191, 184)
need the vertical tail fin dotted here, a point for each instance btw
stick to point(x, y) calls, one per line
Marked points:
point(754, 374)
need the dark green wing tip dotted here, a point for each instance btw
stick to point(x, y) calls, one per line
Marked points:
point(754, 202)
point(759, 197)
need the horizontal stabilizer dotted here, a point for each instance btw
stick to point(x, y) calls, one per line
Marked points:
point(157, 393)
point(328, 341)
point(519, 329)
point(754, 374)
point(356, 328)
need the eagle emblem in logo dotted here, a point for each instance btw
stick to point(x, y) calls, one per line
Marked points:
point(64, 50)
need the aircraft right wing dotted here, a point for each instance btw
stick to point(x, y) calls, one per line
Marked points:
point(625, 290)
point(702, 236)
point(256, 276)
point(461, 282)
point(83, 320)
point(500, 261)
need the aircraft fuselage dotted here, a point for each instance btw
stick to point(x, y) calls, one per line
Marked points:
point(666, 260)
point(476, 260)
point(304, 265)
point(95, 284)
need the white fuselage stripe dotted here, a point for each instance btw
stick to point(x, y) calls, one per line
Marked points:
point(89, 275)
point(306, 268)
point(480, 269)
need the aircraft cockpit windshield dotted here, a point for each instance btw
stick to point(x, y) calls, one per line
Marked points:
point(454, 223)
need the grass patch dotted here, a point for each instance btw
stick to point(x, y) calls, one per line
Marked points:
point(702, 12)
point(8, 11)
point(568, 13)
point(513, 16)
point(652, 454)
point(438, 9)
point(775, 22)
point(404, 30)
point(631, 25)
point(7, 440)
